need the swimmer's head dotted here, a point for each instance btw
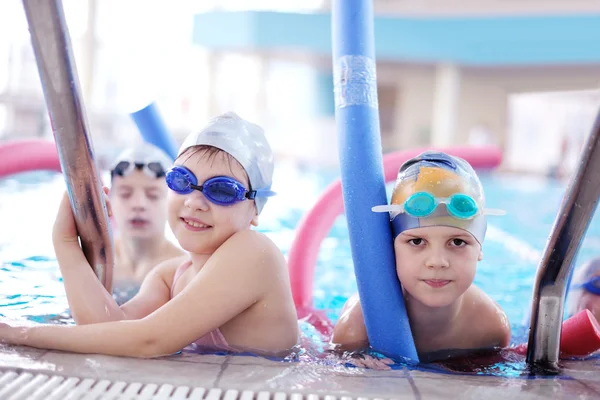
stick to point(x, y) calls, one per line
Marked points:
point(587, 271)
point(245, 142)
point(437, 189)
point(138, 191)
point(584, 289)
point(145, 157)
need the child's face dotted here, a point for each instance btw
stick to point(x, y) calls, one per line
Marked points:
point(436, 265)
point(139, 204)
point(200, 226)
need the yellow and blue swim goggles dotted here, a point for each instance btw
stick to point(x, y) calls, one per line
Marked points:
point(423, 204)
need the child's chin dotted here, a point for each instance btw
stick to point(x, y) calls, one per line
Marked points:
point(437, 300)
point(193, 247)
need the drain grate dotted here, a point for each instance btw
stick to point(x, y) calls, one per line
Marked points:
point(26, 385)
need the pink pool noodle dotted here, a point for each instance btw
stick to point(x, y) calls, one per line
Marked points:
point(28, 155)
point(580, 336)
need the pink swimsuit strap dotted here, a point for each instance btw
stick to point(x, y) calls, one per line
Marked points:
point(212, 341)
point(178, 272)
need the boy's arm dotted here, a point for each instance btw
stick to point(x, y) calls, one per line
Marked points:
point(502, 330)
point(227, 286)
point(350, 332)
point(492, 328)
point(89, 301)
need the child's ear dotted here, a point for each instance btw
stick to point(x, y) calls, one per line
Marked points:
point(480, 257)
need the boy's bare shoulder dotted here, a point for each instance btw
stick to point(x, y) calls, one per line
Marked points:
point(487, 318)
point(250, 249)
point(253, 244)
point(166, 269)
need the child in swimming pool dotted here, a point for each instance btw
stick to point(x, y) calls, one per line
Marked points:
point(584, 290)
point(439, 223)
point(231, 292)
point(138, 199)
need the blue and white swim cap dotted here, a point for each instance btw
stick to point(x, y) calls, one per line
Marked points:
point(245, 141)
point(437, 189)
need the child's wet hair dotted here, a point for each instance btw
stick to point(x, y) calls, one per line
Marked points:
point(211, 153)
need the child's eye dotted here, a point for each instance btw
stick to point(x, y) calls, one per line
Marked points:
point(125, 195)
point(458, 243)
point(416, 241)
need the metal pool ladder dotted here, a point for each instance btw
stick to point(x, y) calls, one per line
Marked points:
point(552, 277)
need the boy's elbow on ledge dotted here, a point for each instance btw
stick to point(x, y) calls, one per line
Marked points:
point(152, 347)
point(142, 339)
point(349, 340)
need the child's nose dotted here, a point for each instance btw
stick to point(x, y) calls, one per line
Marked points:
point(197, 201)
point(139, 201)
point(437, 259)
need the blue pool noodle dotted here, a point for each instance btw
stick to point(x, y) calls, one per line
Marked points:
point(153, 129)
point(363, 182)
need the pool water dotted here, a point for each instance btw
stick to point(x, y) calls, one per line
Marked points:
point(31, 287)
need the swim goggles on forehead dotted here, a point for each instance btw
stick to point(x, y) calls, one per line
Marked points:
point(220, 190)
point(423, 204)
point(592, 285)
point(152, 169)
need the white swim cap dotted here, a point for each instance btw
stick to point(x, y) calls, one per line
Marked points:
point(142, 155)
point(244, 141)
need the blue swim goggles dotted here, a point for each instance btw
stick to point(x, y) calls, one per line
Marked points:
point(423, 204)
point(220, 190)
point(592, 285)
